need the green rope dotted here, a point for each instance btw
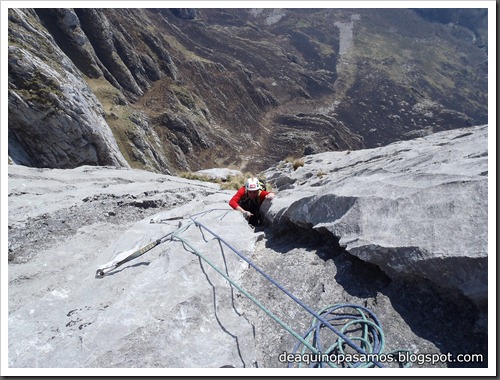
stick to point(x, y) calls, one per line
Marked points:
point(360, 325)
point(247, 294)
point(364, 324)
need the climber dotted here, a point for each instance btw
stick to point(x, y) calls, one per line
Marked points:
point(249, 198)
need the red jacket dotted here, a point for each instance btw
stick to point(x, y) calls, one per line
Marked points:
point(241, 193)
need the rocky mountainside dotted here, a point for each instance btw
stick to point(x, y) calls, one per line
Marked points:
point(170, 90)
point(400, 230)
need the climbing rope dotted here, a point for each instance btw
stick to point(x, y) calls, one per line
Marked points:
point(320, 318)
point(358, 343)
point(357, 322)
point(243, 291)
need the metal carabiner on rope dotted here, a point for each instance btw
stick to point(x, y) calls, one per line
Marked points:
point(101, 272)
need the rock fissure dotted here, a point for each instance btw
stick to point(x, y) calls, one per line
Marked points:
point(335, 276)
point(412, 252)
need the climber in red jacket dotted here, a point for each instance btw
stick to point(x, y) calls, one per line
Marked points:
point(248, 199)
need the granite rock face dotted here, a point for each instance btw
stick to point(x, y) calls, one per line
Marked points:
point(55, 120)
point(170, 308)
point(167, 308)
point(176, 90)
point(415, 208)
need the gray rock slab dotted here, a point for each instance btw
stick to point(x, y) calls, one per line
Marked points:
point(167, 308)
point(413, 208)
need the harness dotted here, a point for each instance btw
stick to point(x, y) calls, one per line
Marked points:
point(246, 200)
point(253, 206)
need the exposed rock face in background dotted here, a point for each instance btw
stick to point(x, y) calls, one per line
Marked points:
point(335, 231)
point(400, 228)
point(54, 118)
point(172, 90)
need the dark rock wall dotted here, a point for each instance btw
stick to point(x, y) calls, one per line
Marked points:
point(239, 77)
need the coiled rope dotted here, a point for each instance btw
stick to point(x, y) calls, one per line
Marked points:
point(358, 343)
point(357, 322)
point(342, 338)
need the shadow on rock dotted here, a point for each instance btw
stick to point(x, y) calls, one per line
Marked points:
point(450, 322)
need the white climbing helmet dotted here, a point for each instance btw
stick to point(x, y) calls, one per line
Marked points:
point(252, 184)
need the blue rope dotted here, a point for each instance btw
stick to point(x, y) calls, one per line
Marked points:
point(361, 324)
point(248, 295)
point(324, 322)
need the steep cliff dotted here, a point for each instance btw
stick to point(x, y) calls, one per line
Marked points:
point(170, 90)
point(400, 230)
